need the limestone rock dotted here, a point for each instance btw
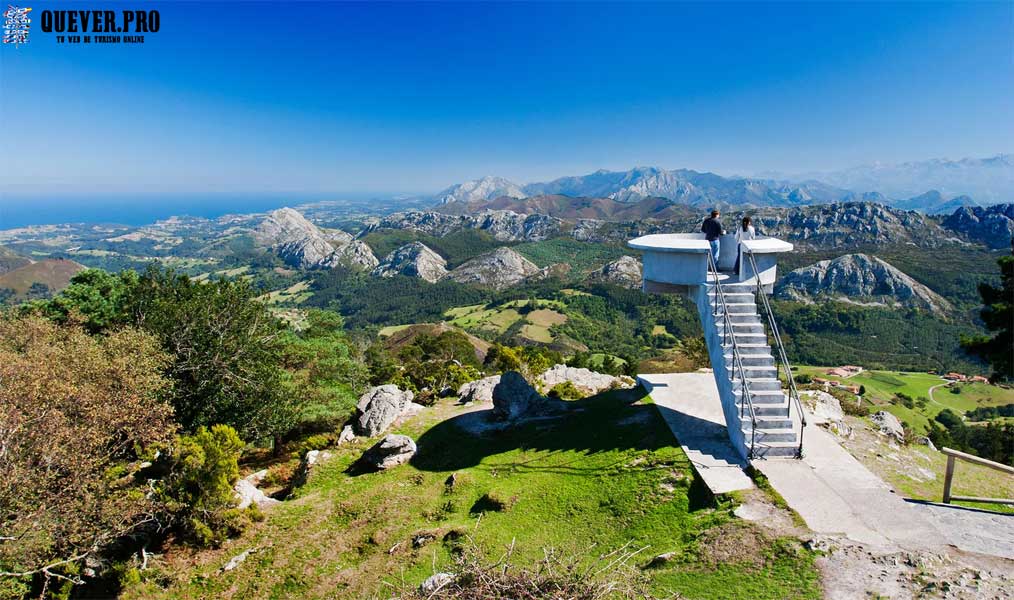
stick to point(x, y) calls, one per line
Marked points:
point(499, 269)
point(414, 260)
point(248, 493)
point(513, 398)
point(825, 409)
point(302, 244)
point(389, 452)
point(435, 582)
point(355, 254)
point(309, 462)
point(379, 407)
point(347, 435)
point(480, 390)
point(585, 380)
point(888, 425)
point(624, 271)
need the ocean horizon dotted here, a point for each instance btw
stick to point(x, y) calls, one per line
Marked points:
point(141, 209)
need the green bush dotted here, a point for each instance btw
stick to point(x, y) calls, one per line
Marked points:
point(566, 391)
point(198, 490)
point(803, 379)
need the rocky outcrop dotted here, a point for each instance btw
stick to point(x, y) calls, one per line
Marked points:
point(624, 271)
point(826, 410)
point(499, 269)
point(389, 452)
point(859, 279)
point(992, 226)
point(587, 381)
point(889, 425)
point(302, 244)
point(379, 407)
point(513, 398)
point(247, 492)
point(414, 260)
point(355, 254)
point(502, 225)
point(480, 390)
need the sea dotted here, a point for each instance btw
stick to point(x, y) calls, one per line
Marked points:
point(141, 209)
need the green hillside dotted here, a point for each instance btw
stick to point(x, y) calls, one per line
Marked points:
point(608, 478)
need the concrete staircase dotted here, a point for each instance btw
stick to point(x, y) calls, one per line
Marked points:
point(771, 429)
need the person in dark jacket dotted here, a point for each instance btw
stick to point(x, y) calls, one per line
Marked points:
point(713, 230)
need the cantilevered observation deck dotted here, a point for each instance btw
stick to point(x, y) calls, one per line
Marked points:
point(763, 420)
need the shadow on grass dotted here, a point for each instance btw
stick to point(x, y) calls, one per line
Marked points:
point(605, 422)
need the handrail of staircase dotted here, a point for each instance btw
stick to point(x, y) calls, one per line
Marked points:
point(793, 392)
point(731, 334)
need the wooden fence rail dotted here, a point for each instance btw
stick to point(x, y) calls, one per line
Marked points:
point(949, 477)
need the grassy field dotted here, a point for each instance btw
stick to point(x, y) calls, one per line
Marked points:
point(292, 295)
point(881, 387)
point(497, 320)
point(606, 476)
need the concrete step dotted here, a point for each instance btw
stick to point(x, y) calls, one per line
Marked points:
point(769, 422)
point(776, 450)
point(747, 347)
point(751, 359)
point(762, 396)
point(735, 318)
point(759, 384)
point(765, 410)
point(760, 372)
point(738, 328)
point(767, 436)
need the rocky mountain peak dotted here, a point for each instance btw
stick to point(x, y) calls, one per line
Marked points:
point(485, 188)
point(304, 245)
point(414, 259)
point(624, 271)
point(498, 269)
point(859, 279)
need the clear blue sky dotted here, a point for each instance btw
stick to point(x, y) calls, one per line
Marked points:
point(319, 97)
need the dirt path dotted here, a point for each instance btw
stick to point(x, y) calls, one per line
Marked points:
point(930, 392)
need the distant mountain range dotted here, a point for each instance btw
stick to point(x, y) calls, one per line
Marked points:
point(987, 180)
point(932, 187)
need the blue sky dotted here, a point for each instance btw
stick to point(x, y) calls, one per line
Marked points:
point(337, 98)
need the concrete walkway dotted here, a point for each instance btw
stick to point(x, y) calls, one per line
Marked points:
point(690, 406)
point(836, 494)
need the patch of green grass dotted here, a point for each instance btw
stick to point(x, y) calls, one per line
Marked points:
point(882, 386)
point(606, 475)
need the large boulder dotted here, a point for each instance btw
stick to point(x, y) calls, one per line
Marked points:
point(389, 452)
point(480, 390)
point(587, 381)
point(888, 425)
point(379, 407)
point(513, 397)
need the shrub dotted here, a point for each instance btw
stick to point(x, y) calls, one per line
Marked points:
point(77, 414)
point(198, 489)
point(566, 391)
point(803, 379)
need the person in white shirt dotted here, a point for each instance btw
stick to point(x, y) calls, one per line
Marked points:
point(744, 232)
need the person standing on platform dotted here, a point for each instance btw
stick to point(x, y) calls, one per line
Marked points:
point(713, 231)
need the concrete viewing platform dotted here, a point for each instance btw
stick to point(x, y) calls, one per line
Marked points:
point(690, 406)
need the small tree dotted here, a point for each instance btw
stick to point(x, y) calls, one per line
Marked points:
point(998, 316)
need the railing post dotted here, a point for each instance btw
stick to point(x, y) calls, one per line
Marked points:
point(948, 477)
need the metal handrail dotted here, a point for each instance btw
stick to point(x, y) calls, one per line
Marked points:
point(731, 334)
point(793, 392)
